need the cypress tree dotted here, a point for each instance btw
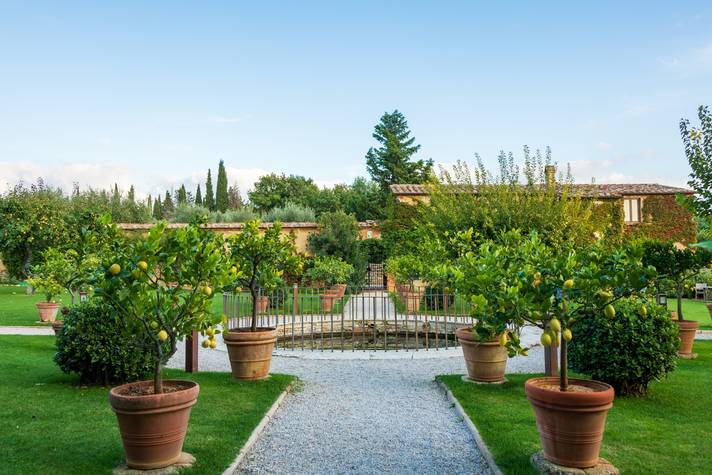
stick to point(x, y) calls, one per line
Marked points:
point(182, 196)
point(221, 198)
point(157, 211)
point(209, 199)
point(132, 195)
point(168, 207)
point(198, 197)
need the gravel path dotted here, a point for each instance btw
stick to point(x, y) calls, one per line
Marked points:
point(365, 416)
point(26, 331)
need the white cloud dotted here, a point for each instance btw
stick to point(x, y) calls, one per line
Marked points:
point(697, 60)
point(604, 145)
point(609, 171)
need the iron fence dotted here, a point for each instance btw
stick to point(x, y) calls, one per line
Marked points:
point(342, 319)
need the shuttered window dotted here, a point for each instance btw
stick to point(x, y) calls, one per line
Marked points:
point(631, 210)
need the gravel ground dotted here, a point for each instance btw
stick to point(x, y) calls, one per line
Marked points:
point(365, 416)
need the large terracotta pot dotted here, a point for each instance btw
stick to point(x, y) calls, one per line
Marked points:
point(688, 329)
point(262, 303)
point(48, 311)
point(338, 289)
point(250, 352)
point(486, 361)
point(327, 301)
point(571, 423)
point(153, 426)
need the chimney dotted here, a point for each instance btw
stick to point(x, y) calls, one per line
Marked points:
point(550, 175)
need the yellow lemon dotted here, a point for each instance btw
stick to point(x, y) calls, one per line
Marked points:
point(114, 269)
point(567, 334)
point(154, 324)
point(569, 284)
point(610, 311)
point(206, 344)
point(503, 339)
point(210, 332)
point(555, 324)
point(213, 344)
point(208, 291)
point(643, 311)
point(163, 335)
point(545, 339)
point(142, 265)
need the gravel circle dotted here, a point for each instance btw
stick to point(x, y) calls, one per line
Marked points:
point(365, 416)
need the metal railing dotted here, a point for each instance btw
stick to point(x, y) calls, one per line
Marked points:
point(341, 319)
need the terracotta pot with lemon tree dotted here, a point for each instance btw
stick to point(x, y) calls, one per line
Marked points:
point(552, 289)
point(406, 270)
point(162, 287)
point(45, 280)
point(332, 273)
point(258, 261)
point(678, 266)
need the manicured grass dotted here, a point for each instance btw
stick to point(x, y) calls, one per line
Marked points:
point(693, 310)
point(50, 424)
point(18, 309)
point(666, 432)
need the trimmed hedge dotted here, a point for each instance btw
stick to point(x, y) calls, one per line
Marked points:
point(628, 351)
point(93, 343)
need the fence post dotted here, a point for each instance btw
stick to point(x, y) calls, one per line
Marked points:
point(191, 353)
point(295, 304)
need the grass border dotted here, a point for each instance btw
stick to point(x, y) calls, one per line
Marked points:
point(257, 431)
point(479, 441)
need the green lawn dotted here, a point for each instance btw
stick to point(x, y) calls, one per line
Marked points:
point(50, 424)
point(693, 310)
point(668, 432)
point(18, 308)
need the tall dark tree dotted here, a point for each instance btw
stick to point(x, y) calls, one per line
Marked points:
point(209, 198)
point(221, 197)
point(273, 190)
point(698, 148)
point(157, 209)
point(392, 162)
point(168, 206)
point(181, 195)
point(198, 197)
point(132, 195)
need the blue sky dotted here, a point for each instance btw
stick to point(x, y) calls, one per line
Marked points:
point(154, 93)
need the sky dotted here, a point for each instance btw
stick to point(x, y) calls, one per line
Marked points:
point(155, 93)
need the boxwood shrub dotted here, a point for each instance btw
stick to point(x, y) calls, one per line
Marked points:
point(628, 351)
point(94, 345)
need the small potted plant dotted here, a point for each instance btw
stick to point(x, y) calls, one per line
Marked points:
point(162, 287)
point(45, 283)
point(332, 273)
point(678, 266)
point(407, 270)
point(258, 261)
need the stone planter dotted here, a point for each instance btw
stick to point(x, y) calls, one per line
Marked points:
point(688, 329)
point(48, 311)
point(153, 426)
point(338, 289)
point(57, 326)
point(486, 361)
point(250, 352)
point(570, 423)
point(412, 300)
point(328, 299)
point(262, 303)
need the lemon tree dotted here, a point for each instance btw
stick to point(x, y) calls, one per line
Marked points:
point(162, 287)
point(258, 260)
point(519, 280)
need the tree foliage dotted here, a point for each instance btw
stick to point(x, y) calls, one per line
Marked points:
point(338, 236)
point(222, 200)
point(273, 190)
point(392, 162)
point(209, 198)
point(698, 148)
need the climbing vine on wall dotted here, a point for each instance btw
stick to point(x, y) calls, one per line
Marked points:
point(665, 219)
point(608, 218)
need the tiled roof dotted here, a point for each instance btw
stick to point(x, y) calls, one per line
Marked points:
point(587, 191)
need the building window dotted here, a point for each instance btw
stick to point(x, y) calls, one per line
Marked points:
point(631, 210)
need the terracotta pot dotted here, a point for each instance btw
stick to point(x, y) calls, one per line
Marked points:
point(48, 311)
point(153, 426)
point(486, 361)
point(57, 326)
point(262, 303)
point(412, 300)
point(338, 289)
point(673, 315)
point(570, 424)
point(250, 352)
point(688, 329)
point(327, 301)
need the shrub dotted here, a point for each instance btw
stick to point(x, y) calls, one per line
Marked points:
point(374, 250)
point(94, 345)
point(628, 351)
point(290, 213)
point(330, 270)
point(435, 298)
point(339, 237)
